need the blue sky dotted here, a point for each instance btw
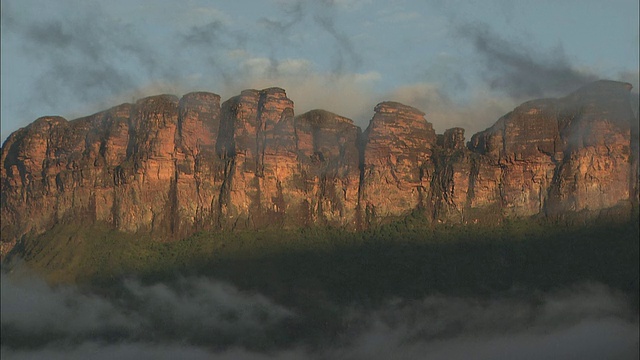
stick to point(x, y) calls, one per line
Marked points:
point(464, 63)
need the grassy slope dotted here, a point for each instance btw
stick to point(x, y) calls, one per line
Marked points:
point(407, 259)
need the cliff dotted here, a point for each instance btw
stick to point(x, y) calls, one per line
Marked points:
point(171, 167)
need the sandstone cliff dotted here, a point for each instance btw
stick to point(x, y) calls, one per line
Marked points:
point(566, 155)
point(397, 166)
point(170, 166)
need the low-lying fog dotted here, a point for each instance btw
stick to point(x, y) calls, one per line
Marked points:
point(202, 318)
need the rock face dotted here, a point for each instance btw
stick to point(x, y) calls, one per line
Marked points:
point(330, 168)
point(170, 166)
point(397, 161)
point(257, 142)
point(569, 154)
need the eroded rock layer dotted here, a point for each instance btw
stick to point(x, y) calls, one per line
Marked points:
point(170, 167)
point(397, 166)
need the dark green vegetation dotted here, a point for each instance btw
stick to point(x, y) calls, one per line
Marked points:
point(408, 259)
point(321, 273)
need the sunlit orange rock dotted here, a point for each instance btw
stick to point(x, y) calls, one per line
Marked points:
point(170, 167)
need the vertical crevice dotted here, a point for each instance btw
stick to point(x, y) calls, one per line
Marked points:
point(361, 141)
point(473, 176)
point(174, 220)
point(224, 199)
point(260, 136)
point(225, 149)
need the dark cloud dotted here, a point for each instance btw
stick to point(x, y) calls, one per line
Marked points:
point(213, 36)
point(520, 70)
point(207, 44)
point(83, 56)
point(7, 19)
point(294, 13)
point(88, 59)
point(201, 318)
point(346, 57)
point(210, 34)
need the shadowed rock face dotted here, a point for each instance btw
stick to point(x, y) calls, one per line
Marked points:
point(329, 161)
point(170, 166)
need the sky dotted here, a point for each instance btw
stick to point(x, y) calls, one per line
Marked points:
point(463, 63)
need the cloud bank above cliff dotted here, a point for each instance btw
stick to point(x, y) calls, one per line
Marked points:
point(201, 318)
point(462, 64)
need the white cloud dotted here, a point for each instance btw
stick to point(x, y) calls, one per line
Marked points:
point(201, 318)
point(479, 112)
point(367, 77)
point(349, 94)
point(294, 67)
point(256, 66)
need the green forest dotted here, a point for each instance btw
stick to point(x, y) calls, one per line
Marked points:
point(409, 258)
point(323, 273)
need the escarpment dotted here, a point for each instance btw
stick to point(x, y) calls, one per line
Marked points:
point(170, 167)
point(397, 162)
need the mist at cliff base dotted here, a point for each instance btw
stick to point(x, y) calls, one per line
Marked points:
point(202, 318)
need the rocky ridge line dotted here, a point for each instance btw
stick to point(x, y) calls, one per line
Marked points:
point(171, 167)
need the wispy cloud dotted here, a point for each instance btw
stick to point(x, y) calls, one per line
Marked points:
point(350, 94)
point(522, 71)
point(88, 60)
point(201, 318)
point(294, 12)
point(475, 114)
point(197, 310)
point(82, 56)
point(322, 14)
point(95, 56)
